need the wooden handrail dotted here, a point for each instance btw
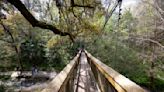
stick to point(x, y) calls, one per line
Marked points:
point(118, 81)
point(59, 83)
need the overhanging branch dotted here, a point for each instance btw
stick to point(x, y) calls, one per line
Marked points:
point(34, 22)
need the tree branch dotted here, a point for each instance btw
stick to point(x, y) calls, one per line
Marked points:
point(158, 7)
point(7, 31)
point(150, 40)
point(84, 6)
point(34, 22)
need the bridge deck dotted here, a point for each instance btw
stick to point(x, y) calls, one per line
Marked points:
point(85, 79)
point(77, 76)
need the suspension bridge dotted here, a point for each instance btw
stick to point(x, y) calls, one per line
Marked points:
point(85, 73)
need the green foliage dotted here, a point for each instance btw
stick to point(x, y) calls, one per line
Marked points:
point(60, 54)
point(32, 53)
point(159, 85)
point(128, 22)
point(4, 77)
point(115, 55)
point(2, 88)
point(56, 57)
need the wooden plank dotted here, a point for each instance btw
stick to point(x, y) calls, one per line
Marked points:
point(85, 80)
point(119, 82)
point(60, 80)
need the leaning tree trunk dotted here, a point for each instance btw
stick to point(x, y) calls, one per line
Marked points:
point(6, 29)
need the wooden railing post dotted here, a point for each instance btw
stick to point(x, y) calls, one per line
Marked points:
point(101, 80)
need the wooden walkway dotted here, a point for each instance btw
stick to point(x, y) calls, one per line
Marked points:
point(85, 73)
point(85, 79)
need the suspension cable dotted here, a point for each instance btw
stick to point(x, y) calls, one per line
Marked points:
point(119, 3)
point(118, 28)
point(119, 13)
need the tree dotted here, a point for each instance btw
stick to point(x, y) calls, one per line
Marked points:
point(32, 52)
point(71, 13)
